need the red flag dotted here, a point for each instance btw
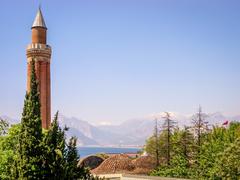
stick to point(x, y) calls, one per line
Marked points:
point(225, 123)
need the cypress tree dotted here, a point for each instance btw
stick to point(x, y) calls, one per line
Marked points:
point(30, 137)
point(73, 171)
point(55, 151)
point(61, 159)
point(44, 155)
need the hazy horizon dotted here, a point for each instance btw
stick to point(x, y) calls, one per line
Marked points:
point(117, 60)
point(174, 116)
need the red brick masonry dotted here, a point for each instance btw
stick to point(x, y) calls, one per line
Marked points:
point(41, 53)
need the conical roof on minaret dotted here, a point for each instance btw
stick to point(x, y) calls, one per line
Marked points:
point(39, 20)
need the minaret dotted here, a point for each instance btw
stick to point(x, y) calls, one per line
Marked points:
point(39, 51)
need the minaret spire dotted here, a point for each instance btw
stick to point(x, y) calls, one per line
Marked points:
point(39, 20)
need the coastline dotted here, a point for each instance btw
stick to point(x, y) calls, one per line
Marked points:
point(121, 147)
point(85, 151)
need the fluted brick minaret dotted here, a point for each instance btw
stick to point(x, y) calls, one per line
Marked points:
point(39, 51)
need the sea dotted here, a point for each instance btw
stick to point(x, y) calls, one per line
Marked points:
point(86, 151)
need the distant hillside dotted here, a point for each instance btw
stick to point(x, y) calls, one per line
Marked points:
point(129, 133)
point(87, 133)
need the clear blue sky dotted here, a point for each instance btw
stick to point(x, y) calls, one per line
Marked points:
point(114, 60)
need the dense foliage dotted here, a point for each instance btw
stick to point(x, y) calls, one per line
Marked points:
point(30, 147)
point(29, 152)
point(8, 147)
point(198, 152)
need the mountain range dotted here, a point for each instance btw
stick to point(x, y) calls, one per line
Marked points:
point(132, 132)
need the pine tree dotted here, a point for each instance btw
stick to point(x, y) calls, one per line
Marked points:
point(200, 126)
point(4, 125)
point(186, 142)
point(30, 137)
point(157, 146)
point(168, 128)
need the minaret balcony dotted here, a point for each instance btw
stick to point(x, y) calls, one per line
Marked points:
point(39, 50)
